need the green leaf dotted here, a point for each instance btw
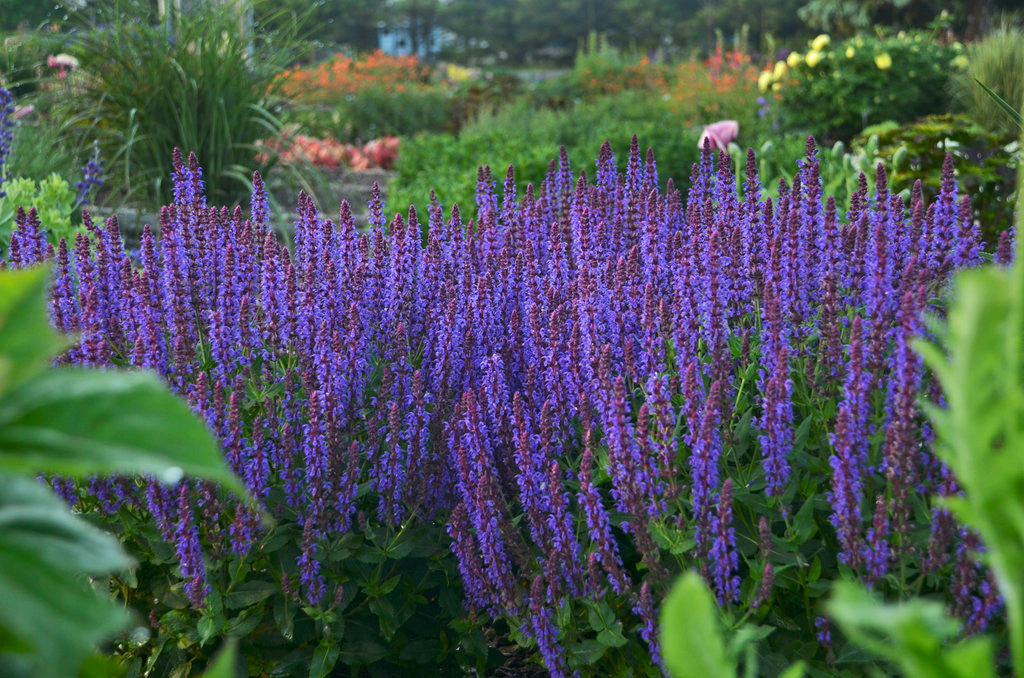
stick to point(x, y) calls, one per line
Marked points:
point(795, 671)
point(78, 421)
point(48, 610)
point(603, 620)
point(803, 523)
point(100, 666)
point(27, 340)
point(691, 636)
point(223, 666)
point(324, 658)
point(249, 593)
point(585, 653)
point(284, 617)
point(1015, 116)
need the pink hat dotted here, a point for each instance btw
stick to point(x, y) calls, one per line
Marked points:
point(720, 134)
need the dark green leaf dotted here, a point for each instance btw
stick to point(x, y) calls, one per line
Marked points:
point(324, 658)
point(585, 653)
point(284, 616)
point(248, 593)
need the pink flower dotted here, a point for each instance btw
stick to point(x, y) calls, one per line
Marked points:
point(720, 134)
point(63, 63)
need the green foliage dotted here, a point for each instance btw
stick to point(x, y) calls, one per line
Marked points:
point(200, 84)
point(526, 138)
point(986, 163)
point(23, 59)
point(840, 167)
point(41, 148)
point(74, 422)
point(996, 62)
point(866, 80)
point(691, 633)
point(916, 635)
point(372, 113)
point(979, 359)
point(53, 198)
point(397, 609)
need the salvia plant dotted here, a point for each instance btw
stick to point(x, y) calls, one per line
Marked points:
point(555, 408)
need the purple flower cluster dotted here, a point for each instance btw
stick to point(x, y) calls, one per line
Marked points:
point(92, 178)
point(557, 380)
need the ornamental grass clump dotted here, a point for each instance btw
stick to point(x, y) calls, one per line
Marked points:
point(557, 408)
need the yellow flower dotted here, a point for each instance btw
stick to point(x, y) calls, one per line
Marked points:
point(764, 80)
point(457, 73)
point(820, 42)
point(779, 71)
point(813, 58)
point(794, 59)
point(960, 61)
point(850, 51)
point(883, 61)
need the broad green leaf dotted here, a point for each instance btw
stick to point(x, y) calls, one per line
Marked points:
point(49, 612)
point(691, 635)
point(585, 653)
point(33, 518)
point(249, 593)
point(101, 666)
point(27, 342)
point(324, 658)
point(78, 421)
point(795, 671)
point(223, 666)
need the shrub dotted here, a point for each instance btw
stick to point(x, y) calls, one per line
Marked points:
point(723, 87)
point(987, 163)
point(834, 91)
point(356, 100)
point(53, 202)
point(596, 388)
point(997, 61)
point(517, 134)
point(145, 88)
point(601, 70)
point(371, 113)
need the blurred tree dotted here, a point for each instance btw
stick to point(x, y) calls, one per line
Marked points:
point(334, 23)
point(968, 19)
point(418, 18)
